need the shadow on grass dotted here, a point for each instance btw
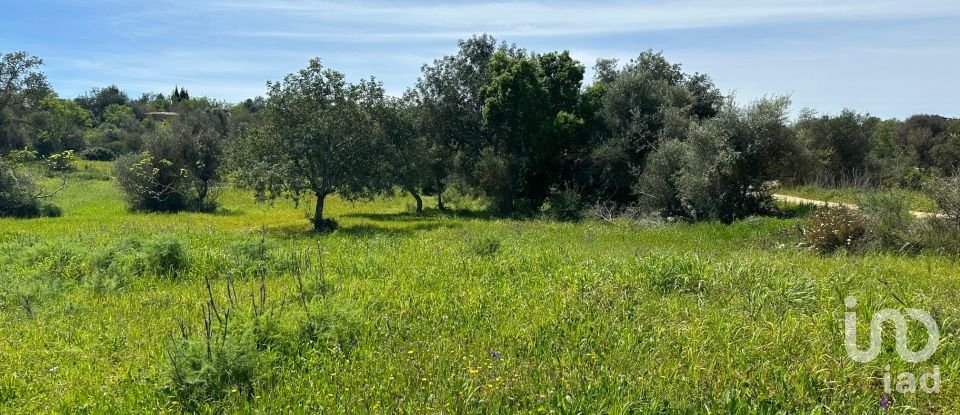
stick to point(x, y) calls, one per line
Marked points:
point(428, 213)
point(357, 230)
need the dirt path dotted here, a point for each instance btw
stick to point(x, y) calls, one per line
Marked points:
point(801, 201)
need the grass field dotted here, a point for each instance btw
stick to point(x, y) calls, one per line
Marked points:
point(453, 313)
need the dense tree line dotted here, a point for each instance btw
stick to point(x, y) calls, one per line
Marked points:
point(523, 130)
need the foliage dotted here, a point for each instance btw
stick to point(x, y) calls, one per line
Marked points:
point(150, 183)
point(61, 162)
point(22, 87)
point(97, 154)
point(318, 137)
point(890, 225)
point(60, 125)
point(165, 255)
point(20, 196)
point(719, 171)
point(945, 193)
point(180, 167)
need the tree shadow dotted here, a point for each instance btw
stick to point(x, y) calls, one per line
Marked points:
point(428, 213)
point(365, 230)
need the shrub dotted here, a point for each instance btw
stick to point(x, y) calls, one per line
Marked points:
point(150, 184)
point(19, 195)
point(98, 154)
point(717, 170)
point(945, 192)
point(331, 324)
point(179, 169)
point(943, 231)
point(22, 156)
point(165, 255)
point(222, 361)
point(565, 205)
point(61, 162)
point(889, 223)
point(832, 228)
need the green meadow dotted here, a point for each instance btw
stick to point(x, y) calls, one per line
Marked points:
point(103, 310)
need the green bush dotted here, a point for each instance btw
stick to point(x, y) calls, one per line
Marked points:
point(565, 205)
point(20, 196)
point(150, 184)
point(61, 162)
point(833, 228)
point(165, 255)
point(98, 154)
point(889, 223)
point(208, 369)
point(945, 192)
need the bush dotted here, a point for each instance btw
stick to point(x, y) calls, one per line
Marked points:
point(943, 231)
point(98, 154)
point(889, 223)
point(833, 228)
point(166, 256)
point(150, 184)
point(945, 192)
point(565, 205)
point(19, 195)
point(717, 170)
point(223, 362)
point(61, 162)
point(179, 169)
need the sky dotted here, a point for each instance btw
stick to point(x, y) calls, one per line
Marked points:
point(885, 57)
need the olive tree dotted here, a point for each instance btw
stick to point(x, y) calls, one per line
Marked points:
point(22, 86)
point(318, 137)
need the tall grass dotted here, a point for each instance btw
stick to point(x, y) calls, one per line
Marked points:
point(395, 313)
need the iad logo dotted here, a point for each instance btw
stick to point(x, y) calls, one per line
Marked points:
point(906, 382)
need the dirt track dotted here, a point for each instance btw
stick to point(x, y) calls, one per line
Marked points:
point(802, 201)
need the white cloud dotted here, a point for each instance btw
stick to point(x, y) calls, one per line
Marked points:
point(443, 21)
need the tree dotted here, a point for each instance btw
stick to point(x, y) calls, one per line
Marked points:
point(718, 170)
point(405, 157)
point(635, 102)
point(98, 100)
point(529, 110)
point(179, 168)
point(318, 136)
point(60, 126)
point(22, 86)
point(841, 143)
point(449, 103)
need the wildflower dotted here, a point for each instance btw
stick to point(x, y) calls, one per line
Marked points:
point(495, 354)
point(473, 371)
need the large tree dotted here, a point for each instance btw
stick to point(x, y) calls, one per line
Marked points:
point(449, 105)
point(22, 86)
point(318, 137)
point(529, 110)
point(59, 126)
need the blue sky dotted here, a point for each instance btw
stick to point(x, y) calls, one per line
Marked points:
point(889, 58)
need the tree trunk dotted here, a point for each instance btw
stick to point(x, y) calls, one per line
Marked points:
point(318, 214)
point(419, 201)
point(440, 196)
